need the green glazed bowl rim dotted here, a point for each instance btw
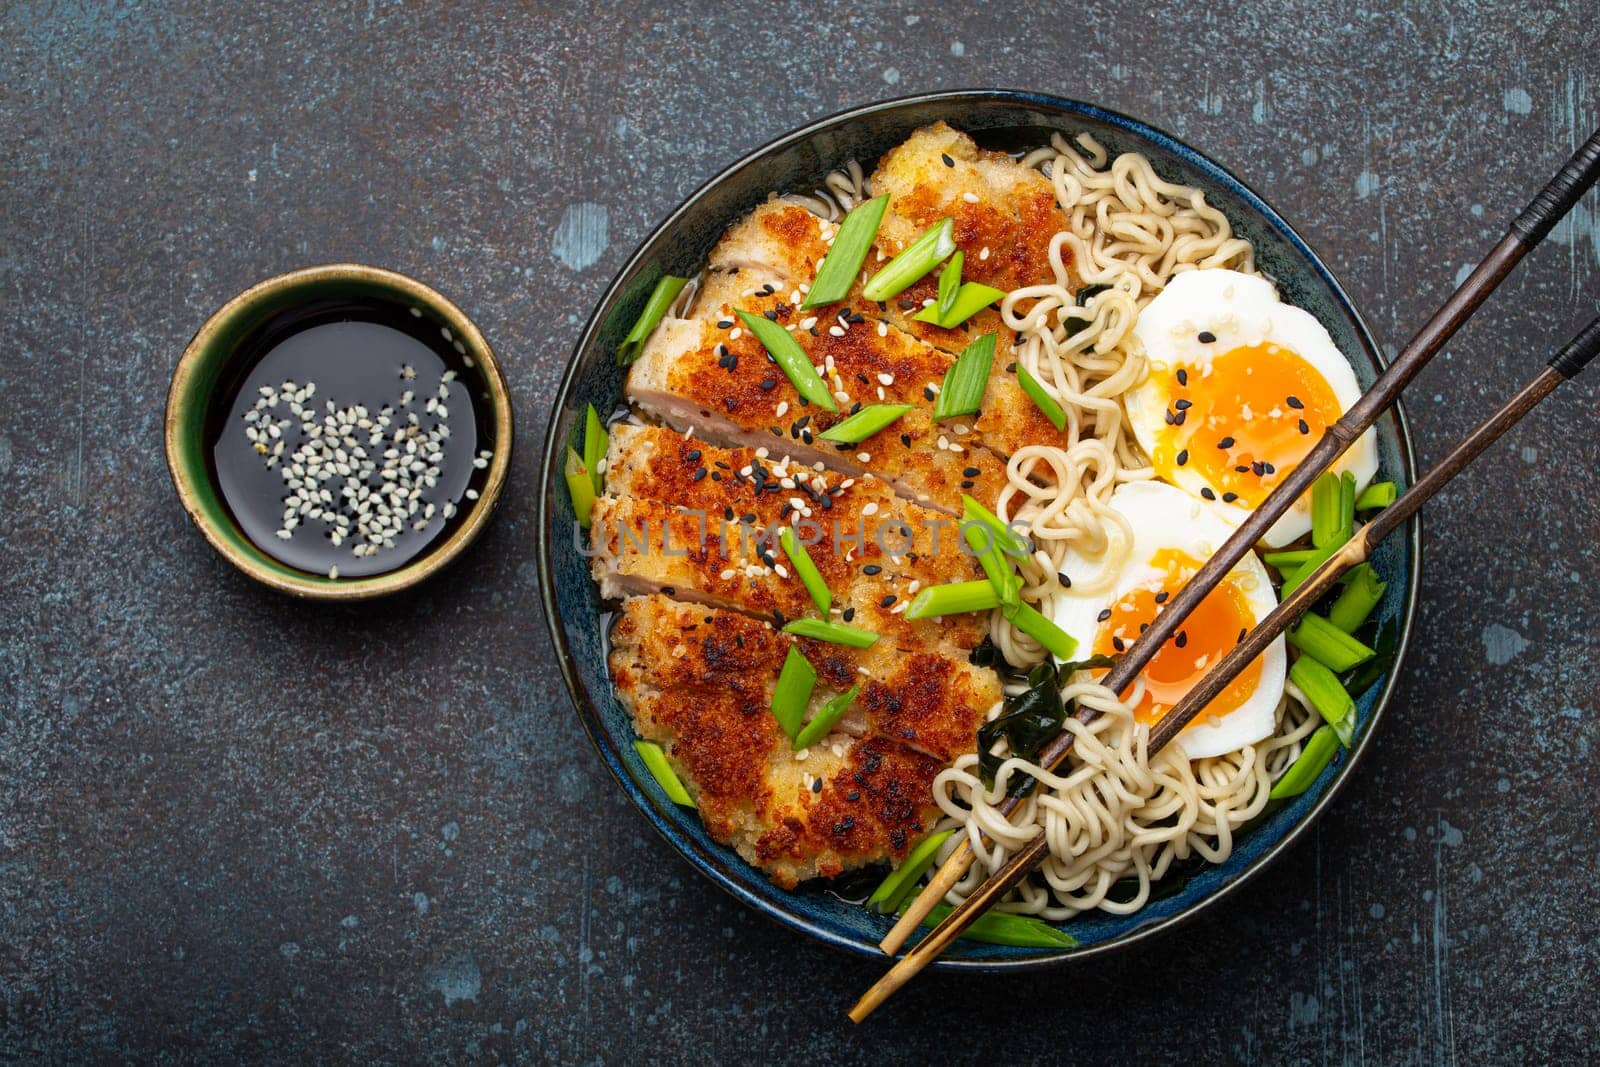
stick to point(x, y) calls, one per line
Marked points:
point(195, 381)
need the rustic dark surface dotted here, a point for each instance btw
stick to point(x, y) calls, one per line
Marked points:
point(233, 826)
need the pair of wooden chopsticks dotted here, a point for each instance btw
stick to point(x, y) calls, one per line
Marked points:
point(1526, 231)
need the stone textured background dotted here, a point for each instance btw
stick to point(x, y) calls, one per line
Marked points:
point(236, 826)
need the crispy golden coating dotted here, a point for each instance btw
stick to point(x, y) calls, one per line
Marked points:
point(699, 683)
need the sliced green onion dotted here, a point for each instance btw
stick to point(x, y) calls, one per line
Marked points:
point(810, 577)
point(1327, 644)
point(953, 599)
point(1288, 561)
point(793, 693)
point(1007, 586)
point(1318, 751)
point(1055, 640)
point(1321, 686)
point(970, 299)
point(791, 358)
point(661, 298)
point(655, 761)
point(964, 383)
point(1298, 576)
point(823, 720)
point(1041, 399)
point(1010, 542)
point(1360, 596)
point(838, 269)
point(1328, 525)
point(893, 890)
point(834, 632)
point(950, 283)
point(1004, 928)
point(1347, 502)
point(918, 258)
point(864, 423)
point(1377, 495)
point(580, 483)
point(595, 443)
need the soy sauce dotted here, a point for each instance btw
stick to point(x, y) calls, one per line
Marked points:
point(356, 427)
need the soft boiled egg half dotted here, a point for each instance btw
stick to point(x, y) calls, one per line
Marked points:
point(1173, 535)
point(1241, 386)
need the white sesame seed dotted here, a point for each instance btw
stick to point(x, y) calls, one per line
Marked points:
point(971, 198)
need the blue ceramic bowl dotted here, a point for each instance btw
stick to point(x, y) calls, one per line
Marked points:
point(798, 161)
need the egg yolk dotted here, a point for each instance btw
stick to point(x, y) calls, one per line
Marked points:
point(1243, 420)
point(1208, 634)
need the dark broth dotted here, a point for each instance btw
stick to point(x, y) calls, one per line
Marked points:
point(365, 352)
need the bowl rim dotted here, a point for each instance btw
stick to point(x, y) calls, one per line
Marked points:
point(435, 557)
point(589, 714)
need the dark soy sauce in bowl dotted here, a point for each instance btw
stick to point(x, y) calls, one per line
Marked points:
point(355, 435)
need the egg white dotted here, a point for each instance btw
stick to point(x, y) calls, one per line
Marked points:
point(1239, 310)
point(1163, 517)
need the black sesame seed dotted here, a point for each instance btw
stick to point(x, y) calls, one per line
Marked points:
point(668, 590)
point(1143, 626)
point(1267, 468)
point(1178, 421)
point(1241, 469)
point(716, 476)
point(1183, 405)
point(969, 472)
point(767, 385)
point(887, 601)
point(905, 439)
point(872, 568)
point(1183, 376)
point(816, 785)
point(700, 474)
point(1241, 636)
point(724, 324)
point(947, 160)
point(1161, 597)
point(1116, 643)
point(1228, 498)
point(1103, 616)
point(730, 403)
point(968, 483)
point(1066, 583)
point(1182, 638)
point(1011, 368)
point(1206, 337)
point(693, 455)
point(727, 513)
point(1303, 427)
point(927, 392)
point(848, 614)
point(1226, 442)
point(1294, 402)
point(1207, 493)
point(1183, 457)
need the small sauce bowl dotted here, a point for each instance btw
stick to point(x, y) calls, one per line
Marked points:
point(215, 359)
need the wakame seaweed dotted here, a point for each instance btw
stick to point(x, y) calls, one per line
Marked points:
point(1031, 718)
point(985, 655)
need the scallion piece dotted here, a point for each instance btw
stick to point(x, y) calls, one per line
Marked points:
point(1328, 525)
point(793, 693)
point(810, 577)
point(595, 443)
point(580, 484)
point(655, 761)
point(1298, 576)
point(953, 599)
point(823, 720)
point(1347, 502)
point(661, 298)
point(1027, 619)
point(1377, 495)
point(1321, 687)
point(791, 358)
point(1010, 542)
point(1360, 596)
point(1041, 399)
point(950, 283)
point(1007, 586)
point(893, 890)
point(1327, 644)
point(918, 258)
point(838, 269)
point(964, 383)
point(1318, 751)
point(1004, 928)
point(864, 423)
point(1288, 561)
point(834, 632)
point(970, 299)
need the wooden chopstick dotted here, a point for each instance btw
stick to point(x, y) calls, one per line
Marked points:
point(1570, 360)
point(1524, 234)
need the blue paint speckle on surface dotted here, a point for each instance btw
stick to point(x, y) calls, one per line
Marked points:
point(199, 774)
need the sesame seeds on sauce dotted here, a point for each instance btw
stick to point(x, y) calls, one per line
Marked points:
point(352, 441)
